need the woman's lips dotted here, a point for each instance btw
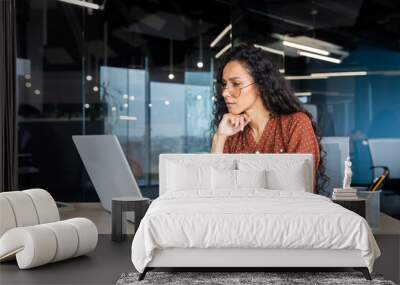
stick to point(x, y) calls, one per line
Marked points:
point(230, 104)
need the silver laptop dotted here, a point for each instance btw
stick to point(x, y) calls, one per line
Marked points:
point(107, 167)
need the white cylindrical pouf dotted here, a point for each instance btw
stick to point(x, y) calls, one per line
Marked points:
point(7, 218)
point(45, 205)
point(24, 210)
point(67, 240)
point(87, 234)
point(36, 245)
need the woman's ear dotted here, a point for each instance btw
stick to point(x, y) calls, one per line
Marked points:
point(259, 93)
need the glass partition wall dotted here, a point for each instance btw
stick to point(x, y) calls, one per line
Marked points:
point(145, 71)
point(142, 72)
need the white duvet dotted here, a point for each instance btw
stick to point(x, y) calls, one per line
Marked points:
point(252, 218)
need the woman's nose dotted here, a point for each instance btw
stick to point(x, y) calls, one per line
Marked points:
point(225, 92)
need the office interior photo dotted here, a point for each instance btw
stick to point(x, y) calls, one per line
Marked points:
point(206, 142)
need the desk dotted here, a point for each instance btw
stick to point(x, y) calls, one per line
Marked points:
point(388, 239)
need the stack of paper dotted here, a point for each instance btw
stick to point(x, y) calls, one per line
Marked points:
point(344, 194)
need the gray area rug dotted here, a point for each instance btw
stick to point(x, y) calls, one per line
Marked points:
point(226, 278)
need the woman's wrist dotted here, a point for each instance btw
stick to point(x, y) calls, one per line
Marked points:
point(220, 137)
point(218, 143)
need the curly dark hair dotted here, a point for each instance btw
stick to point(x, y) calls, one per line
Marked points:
point(275, 91)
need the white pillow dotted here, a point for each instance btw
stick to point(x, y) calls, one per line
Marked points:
point(281, 174)
point(251, 178)
point(188, 177)
point(227, 179)
point(293, 179)
point(223, 179)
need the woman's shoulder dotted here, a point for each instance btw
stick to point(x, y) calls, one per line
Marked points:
point(298, 121)
point(298, 117)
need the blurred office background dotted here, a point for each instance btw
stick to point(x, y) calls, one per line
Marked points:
point(144, 71)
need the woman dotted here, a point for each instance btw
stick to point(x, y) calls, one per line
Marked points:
point(256, 112)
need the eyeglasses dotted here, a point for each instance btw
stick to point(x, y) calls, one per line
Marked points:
point(234, 89)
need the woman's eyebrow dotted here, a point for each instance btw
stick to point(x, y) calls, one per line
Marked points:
point(234, 78)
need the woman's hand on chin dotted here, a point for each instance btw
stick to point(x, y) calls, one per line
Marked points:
point(232, 124)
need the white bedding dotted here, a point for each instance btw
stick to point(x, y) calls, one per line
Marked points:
point(251, 218)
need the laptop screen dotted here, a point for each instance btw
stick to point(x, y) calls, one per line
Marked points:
point(107, 166)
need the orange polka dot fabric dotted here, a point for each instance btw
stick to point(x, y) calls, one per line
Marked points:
point(291, 133)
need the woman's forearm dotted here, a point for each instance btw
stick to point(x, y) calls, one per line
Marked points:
point(218, 143)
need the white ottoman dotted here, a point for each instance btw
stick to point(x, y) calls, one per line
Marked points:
point(31, 232)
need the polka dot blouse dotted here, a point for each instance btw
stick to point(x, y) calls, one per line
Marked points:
point(291, 133)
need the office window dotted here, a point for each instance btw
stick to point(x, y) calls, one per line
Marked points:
point(123, 91)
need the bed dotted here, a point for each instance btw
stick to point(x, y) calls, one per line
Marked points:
point(247, 210)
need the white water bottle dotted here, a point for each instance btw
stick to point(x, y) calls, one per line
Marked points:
point(347, 174)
